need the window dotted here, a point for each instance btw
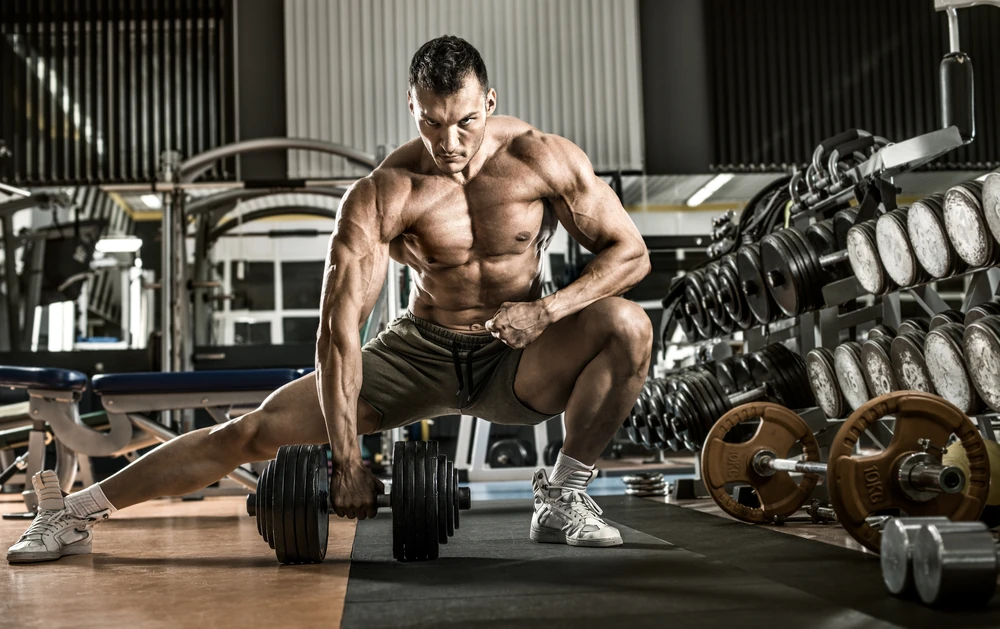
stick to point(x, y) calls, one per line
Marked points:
point(256, 290)
point(300, 329)
point(256, 333)
point(301, 284)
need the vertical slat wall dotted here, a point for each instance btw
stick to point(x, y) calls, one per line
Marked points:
point(567, 66)
point(786, 74)
point(105, 286)
point(96, 90)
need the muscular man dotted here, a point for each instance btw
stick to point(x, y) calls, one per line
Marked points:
point(471, 207)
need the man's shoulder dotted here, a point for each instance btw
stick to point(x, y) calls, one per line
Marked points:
point(548, 154)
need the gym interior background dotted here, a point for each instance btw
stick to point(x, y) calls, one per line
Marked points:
point(812, 180)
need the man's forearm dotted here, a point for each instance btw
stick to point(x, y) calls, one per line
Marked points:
point(612, 272)
point(338, 378)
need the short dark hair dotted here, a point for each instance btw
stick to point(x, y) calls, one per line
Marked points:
point(442, 64)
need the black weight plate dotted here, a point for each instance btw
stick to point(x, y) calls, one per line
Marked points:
point(850, 374)
point(685, 418)
point(712, 303)
point(843, 221)
point(877, 363)
point(451, 500)
point(551, 453)
point(947, 316)
point(411, 533)
point(272, 514)
point(694, 292)
point(966, 225)
point(724, 374)
point(914, 325)
point(656, 412)
point(318, 512)
point(751, 275)
point(929, 238)
point(684, 321)
point(455, 491)
point(300, 507)
point(730, 294)
point(642, 427)
point(982, 353)
point(796, 376)
point(821, 237)
point(656, 393)
point(823, 382)
point(719, 397)
point(814, 277)
point(765, 372)
point(707, 411)
point(907, 352)
point(418, 510)
point(507, 453)
point(263, 498)
point(441, 499)
point(804, 277)
point(943, 353)
point(397, 500)
point(430, 523)
point(982, 310)
point(284, 519)
point(782, 275)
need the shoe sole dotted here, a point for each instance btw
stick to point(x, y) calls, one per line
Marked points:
point(558, 537)
point(51, 556)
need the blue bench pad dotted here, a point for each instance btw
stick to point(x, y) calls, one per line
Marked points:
point(194, 381)
point(42, 378)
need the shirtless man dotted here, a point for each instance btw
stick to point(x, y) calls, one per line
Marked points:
point(471, 207)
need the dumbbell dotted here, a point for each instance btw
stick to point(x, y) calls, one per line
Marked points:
point(908, 363)
point(981, 344)
point(731, 295)
point(711, 300)
point(292, 502)
point(896, 251)
point(925, 226)
point(908, 475)
point(795, 272)
point(753, 285)
point(697, 400)
point(968, 230)
point(647, 423)
point(991, 203)
point(866, 262)
point(946, 365)
point(943, 562)
point(693, 303)
point(976, 313)
point(511, 453)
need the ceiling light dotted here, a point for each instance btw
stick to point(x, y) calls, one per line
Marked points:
point(118, 244)
point(708, 190)
point(152, 201)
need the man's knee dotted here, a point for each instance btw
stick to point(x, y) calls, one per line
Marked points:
point(243, 438)
point(627, 323)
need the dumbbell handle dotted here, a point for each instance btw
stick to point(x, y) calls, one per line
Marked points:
point(384, 501)
point(776, 279)
point(745, 397)
point(915, 473)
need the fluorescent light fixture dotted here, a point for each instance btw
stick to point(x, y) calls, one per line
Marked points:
point(151, 201)
point(708, 190)
point(118, 244)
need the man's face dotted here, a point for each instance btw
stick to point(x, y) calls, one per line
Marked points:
point(452, 127)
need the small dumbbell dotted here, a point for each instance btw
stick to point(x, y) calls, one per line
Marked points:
point(944, 562)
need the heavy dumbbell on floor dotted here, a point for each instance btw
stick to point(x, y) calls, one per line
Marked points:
point(907, 475)
point(944, 562)
point(292, 502)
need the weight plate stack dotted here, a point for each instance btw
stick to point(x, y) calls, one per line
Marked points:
point(731, 294)
point(925, 226)
point(876, 356)
point(694, 295)
point(712, 302)
point(752, 284)
point(822, 238)
point(843, 221)
point(665, 434)
point(823, 382)
point(850, 374)
point(790, 273)
point(991, 203)
point(787, 374)
point(895, 250)
point(976, 313)
point(982, 353)
point(291, 504)
point(965, 222)
point(733, 374)
point(645, 484)
point(914, 325)
point(880, 330)
point(943, 352)
point(862, 251)
point(907, 353)
point(946, 316)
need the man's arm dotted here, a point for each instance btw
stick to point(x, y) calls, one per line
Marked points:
point(593, 215)
point(355, 270)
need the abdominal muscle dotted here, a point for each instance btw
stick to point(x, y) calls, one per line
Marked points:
point(463, 298)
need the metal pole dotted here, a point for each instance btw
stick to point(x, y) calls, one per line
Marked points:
point(166, 284)
point(953, 34)
point(10, 276)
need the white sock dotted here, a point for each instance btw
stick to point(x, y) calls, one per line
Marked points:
point(562, 473)
point(88, 502)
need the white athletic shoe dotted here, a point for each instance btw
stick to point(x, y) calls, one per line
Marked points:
point(55, 531)
point(564, 515)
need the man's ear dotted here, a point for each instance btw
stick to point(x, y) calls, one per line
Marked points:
point(409, 101)
point(491, 101)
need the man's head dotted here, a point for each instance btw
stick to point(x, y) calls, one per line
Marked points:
point(450, 98)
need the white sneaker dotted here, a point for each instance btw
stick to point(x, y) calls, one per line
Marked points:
point(55, 531)
point(569, 516)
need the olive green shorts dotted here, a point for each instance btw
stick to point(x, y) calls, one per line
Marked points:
point(417, 370)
